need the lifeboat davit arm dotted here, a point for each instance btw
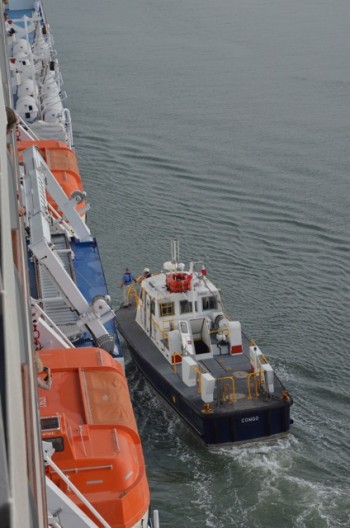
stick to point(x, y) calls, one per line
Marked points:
point(37, 170)
point(37, 178)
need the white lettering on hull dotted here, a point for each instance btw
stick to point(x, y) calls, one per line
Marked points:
point(250, 419)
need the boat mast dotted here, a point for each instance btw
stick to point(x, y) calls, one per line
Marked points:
point(175, 252)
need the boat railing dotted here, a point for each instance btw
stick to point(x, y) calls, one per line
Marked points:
point(226, 386)
point(133, 293)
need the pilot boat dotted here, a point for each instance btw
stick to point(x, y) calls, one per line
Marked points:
point(199, 360)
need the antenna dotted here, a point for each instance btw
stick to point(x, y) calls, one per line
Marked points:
point(175, 251)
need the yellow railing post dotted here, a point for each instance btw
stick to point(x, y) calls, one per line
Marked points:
point(199, 379)
point(254, 376)
point(133, 293)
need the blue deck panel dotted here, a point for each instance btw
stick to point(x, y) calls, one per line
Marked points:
point(88, 268)
point(90, 277)
point(19, 13)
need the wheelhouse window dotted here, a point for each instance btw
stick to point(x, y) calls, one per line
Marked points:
point(166, 309)
point(143, 295)
point(187, 307)
point(209, 303)
point(153, 307)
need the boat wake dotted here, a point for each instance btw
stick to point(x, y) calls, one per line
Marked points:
point(276, 484)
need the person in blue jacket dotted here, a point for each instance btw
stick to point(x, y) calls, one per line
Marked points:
point(127, 279)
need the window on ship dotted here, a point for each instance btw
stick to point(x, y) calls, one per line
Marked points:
point(209, 303)
point(187, 307)
point(153, 307)
point(166, 309)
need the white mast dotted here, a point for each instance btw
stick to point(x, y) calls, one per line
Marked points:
point(175, 252)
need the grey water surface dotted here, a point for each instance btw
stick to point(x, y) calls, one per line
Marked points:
point(226, 123)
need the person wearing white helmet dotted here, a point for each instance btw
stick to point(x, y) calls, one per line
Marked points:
point(146, 274)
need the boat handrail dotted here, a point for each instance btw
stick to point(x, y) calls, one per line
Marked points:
point(198, 378)
point(253, 375)
point(132, 292)
point(225, 390)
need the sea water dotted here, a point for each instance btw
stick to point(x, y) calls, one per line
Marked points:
point(226, 124)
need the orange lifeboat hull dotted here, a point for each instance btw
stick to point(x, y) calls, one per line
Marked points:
point(63, 164)
point(88, 417)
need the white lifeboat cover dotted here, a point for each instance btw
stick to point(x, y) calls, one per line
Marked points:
point(21, 46)
point(27, 108)
point(26, 88)
point(53, 113)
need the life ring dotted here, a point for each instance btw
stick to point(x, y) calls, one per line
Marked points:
point(178, 282)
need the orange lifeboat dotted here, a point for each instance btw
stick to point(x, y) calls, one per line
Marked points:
point(63, 164)
point(88, 418)
point(178, 282)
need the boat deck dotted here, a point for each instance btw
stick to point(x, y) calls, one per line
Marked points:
point(223, 367)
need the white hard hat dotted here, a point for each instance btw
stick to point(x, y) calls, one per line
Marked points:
point(146, 270)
